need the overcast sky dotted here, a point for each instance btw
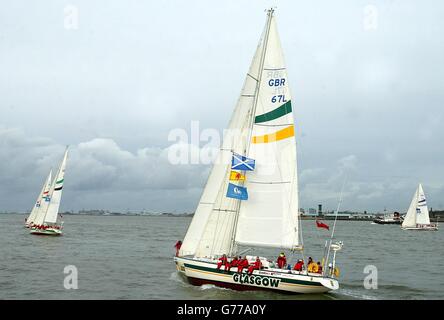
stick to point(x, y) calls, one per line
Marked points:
point(366, 79)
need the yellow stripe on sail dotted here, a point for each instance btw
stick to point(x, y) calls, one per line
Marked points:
point(278, 135)
point(236, 176)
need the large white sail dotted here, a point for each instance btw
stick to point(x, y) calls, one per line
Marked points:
point(56, 192)
point(50, 207)
point(410, 217)
point(418, 212)
point(219, 220)
point(422, 212)
point(40, 200)
point(211, 230)
point(269, 218)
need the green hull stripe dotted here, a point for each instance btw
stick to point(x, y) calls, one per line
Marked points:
point(60, 181)
point(302, 282)
point(274, 114)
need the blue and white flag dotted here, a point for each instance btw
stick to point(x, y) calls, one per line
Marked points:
point(239, 162)
point(237, 192)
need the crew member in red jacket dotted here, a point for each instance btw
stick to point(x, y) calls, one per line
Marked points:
point(298, 266)
point(282, 260)
point(222, 261)
point(255, 266)
point(243, 263)
point(177, 246)
point(234, 262)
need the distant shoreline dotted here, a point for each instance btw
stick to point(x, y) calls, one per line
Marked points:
point(434, 216)
point(114, 214)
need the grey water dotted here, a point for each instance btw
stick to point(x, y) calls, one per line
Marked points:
point(131, 257)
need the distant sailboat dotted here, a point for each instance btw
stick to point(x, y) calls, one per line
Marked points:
point(46, 221)
point(417, 217)
point(251, 196)
point(40, 200)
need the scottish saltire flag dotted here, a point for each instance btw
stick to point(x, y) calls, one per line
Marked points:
point(237, 192)
point(239, 162)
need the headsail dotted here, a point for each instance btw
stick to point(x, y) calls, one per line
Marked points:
point(40, 200)
point(261, 128)
point(422, 211)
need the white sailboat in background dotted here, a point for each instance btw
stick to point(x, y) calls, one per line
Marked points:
point(251, 196)
point(39, 203)
point(46, 221)
point(417, 217)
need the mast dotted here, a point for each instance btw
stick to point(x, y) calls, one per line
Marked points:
point(251, 122)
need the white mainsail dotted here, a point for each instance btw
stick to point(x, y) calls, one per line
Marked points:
point(418, 212)
point(211, 230)
point(50, 211)
point(41, 198)
point(262, 127)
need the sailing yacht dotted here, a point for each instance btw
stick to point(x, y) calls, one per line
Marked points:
point(38, 204)
point(250, 200)
point(47, 220)
point(417, 216)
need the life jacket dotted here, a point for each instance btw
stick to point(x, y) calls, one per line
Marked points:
point(281, 261)
point(312, 267)
point(244, 263)
point(298, 266)
point(336, 272)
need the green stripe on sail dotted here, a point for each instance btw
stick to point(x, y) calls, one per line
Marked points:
point(274, 114)
point(60, 181)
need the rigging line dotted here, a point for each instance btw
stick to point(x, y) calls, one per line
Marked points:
point(337, 209)
point(252, 77)
point(334, 224)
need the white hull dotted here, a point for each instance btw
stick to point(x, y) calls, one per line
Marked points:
point(46, 232)
point(204, 271)
point(430, 227)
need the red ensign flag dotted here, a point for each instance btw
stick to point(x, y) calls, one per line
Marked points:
point(322, 225)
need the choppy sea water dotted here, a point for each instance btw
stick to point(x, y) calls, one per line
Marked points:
point(131, 257)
